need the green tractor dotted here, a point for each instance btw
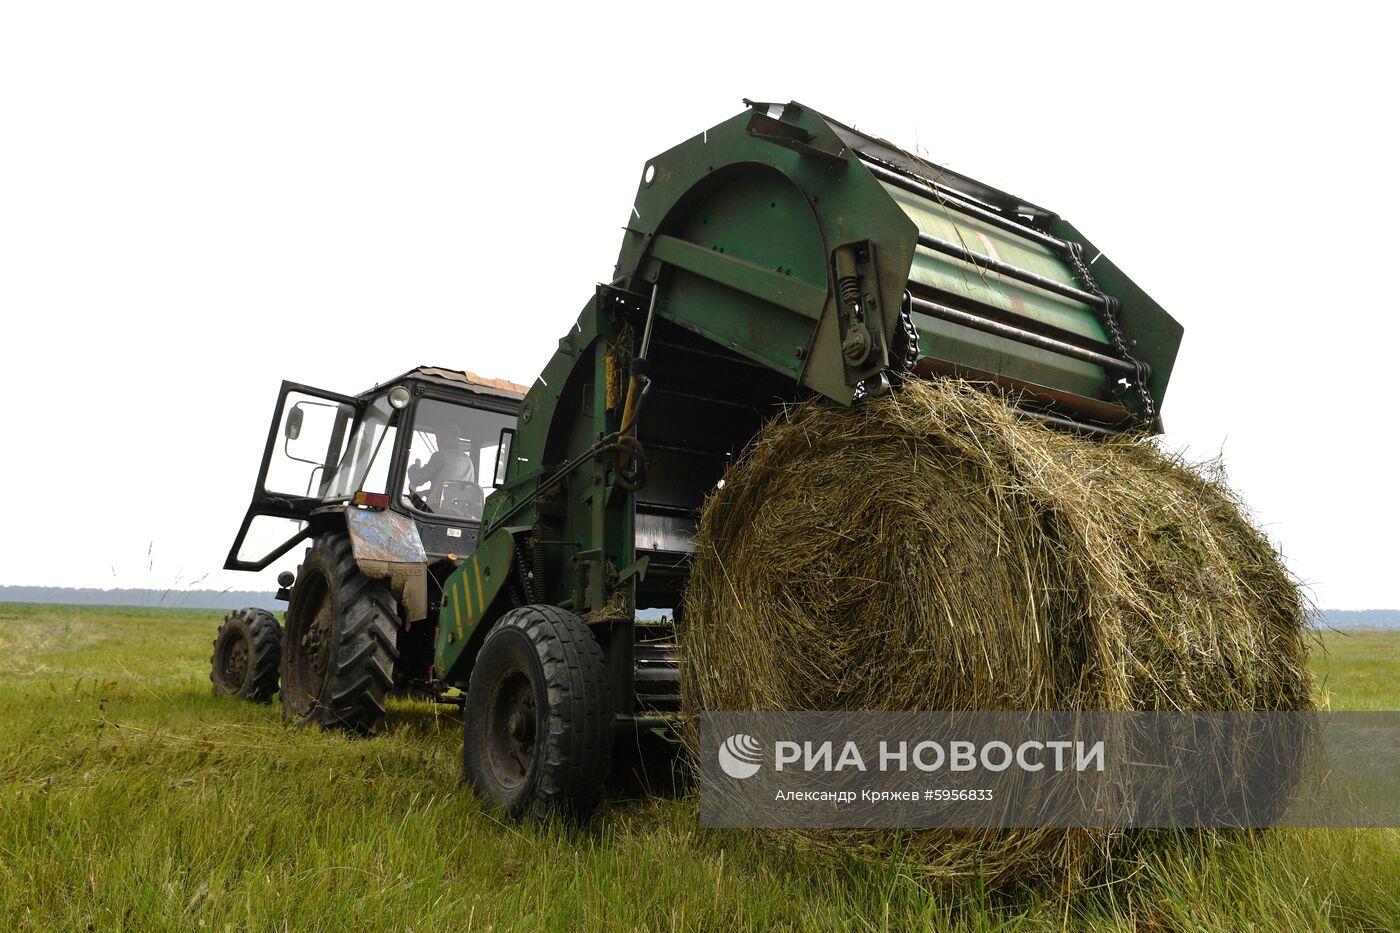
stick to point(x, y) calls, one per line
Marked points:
point(776, 257)
point(389, 487)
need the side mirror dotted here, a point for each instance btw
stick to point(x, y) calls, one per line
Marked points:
point(294, 417)
point(503, 449)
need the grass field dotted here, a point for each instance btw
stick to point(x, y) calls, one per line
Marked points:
point(132, 799)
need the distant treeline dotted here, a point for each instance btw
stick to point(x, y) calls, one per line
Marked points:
point(170, 599)
point(1358, 618)
point(235, 599)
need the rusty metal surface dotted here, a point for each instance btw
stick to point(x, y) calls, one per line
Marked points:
point(387, 547)
point(502, 388)
point(384, 536)
point(1096, 410)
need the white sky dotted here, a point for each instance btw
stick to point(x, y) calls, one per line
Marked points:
point(198, 200)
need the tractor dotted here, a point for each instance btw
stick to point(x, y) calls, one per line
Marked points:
point(389, 487)
point(776, 257)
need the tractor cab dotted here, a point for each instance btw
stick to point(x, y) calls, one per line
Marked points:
point(404, 468)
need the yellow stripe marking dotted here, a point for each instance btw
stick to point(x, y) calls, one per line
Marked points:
point(481, 593)
point(457, 611)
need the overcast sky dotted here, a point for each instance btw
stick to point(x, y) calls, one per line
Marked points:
point(198, 200)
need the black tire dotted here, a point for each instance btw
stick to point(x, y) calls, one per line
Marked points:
point(247, 656)
point(340, 646)
point(537, 735)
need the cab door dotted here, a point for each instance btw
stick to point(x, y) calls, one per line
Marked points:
point(304, 445)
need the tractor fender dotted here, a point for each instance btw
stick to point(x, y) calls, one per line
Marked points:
point(387, 547)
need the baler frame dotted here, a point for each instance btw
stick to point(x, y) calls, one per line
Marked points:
point(809, 296)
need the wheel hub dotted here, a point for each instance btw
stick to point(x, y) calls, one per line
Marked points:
point(511, 728)
point(317, 640)
point(521, 727)
point(236, 662)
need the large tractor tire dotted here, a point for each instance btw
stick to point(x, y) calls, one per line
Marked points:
point(247, 656)
point(340, 646)
point(537, 737)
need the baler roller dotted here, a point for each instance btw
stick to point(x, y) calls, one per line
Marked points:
point(945, 196)
point(928, 241)
point(1020, 335)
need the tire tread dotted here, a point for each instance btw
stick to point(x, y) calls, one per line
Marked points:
point(264, 635)
point(358, 678)
point(577, 743)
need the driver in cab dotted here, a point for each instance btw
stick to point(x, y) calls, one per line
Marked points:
point(450, 463)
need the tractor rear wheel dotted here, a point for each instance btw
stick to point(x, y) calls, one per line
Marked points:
point(340, 646)
point(247, 656)
point(537, 736)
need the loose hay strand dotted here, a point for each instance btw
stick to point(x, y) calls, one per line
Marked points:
point(930, 550)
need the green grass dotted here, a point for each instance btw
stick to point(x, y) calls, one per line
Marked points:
point(1359, 670)
point(132, 799)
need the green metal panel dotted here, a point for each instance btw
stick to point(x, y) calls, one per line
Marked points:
point(583, 526)
point(779, 210)
point(945, 340)
point(959, 278)
point(468, 598)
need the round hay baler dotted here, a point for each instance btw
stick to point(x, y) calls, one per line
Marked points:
point(846, 430)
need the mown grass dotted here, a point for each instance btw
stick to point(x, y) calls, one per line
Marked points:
point(132, 799)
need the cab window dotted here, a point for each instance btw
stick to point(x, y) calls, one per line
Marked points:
point(312, 436)
point(365, 463)
point(450, 458)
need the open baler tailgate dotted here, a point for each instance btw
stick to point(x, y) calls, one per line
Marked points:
point(742, 230)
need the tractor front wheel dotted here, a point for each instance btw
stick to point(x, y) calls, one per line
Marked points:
point(537, 736)
point(247, 656)
point(340, 646)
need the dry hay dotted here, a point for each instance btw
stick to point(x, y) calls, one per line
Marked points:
point(930, 550)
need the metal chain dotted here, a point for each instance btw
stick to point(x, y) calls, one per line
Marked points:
point(905, 362)
point(911, 335)
point(1108, 317)
point(527, 578)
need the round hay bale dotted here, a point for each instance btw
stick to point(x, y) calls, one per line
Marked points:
point(930, 550)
